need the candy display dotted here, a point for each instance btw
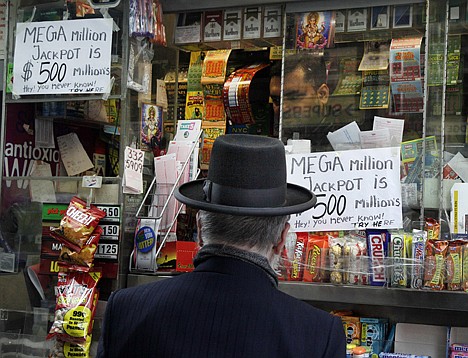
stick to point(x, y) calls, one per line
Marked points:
point(387, 258)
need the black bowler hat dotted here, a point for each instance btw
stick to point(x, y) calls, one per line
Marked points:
point(246, 176)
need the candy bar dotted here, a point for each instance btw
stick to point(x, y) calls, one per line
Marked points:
point(399, 276)
point(417, 255)
point(377, 252)
point(434, 264)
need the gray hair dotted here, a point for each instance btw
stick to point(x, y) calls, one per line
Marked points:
point(256, 232)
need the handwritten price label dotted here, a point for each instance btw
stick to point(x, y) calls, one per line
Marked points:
point(134, 159)
point(133, 170)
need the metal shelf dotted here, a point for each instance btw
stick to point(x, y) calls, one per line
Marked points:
point(380, 296)
point(355, 295)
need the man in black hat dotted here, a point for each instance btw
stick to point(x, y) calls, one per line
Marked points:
point(229, 306)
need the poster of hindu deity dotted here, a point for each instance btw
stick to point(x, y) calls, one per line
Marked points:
point(315, 30)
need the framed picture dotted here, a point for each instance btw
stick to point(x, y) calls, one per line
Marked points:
point(314, 30)
point(402, 16)
point(150, 127)
point(380, 17)
point(357, 19)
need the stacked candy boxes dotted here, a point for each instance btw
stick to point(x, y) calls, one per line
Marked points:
point(377, 257)
point(370, 333)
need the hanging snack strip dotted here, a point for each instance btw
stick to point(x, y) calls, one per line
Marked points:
point(83, 260)
point(75, 306)
point(78, 224)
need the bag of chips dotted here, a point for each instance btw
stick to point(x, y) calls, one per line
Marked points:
point(78, 224)
point(76, 300)
point(83, 260)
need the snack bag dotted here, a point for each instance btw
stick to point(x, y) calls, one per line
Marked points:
point(432, 227)
point(464, 280)
point(78, 224)
point(75, 306)
point(336, 257)
point(83, 260)
point(66, 349)
point(434, 264)
point(454, 265)
point(357, 261)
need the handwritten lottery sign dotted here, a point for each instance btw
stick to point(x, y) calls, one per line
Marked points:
point(133, 171)
point(355, 189)
point(53, 57)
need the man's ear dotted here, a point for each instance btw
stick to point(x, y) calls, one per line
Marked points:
point(323, 93)
point(278, 248)
point(199, 231)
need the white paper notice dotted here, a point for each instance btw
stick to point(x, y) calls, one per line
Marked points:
point(395, 126)
point(355, 189)
point(375, 139)
point(74, 157)
point(42, 191)
point(63, 57)
point(346, 137)
point(459, 164)
point(133, 171)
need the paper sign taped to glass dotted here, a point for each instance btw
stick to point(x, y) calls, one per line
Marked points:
point(355, 189)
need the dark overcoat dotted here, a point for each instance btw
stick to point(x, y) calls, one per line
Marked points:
point(225, 308)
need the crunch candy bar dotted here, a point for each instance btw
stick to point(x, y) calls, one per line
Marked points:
point(377, 243)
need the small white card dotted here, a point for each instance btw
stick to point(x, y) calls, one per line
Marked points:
point(133, 171)
point(74, 157)
point(91, 181)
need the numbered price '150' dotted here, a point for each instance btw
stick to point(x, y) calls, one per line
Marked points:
point(334, 204)
point(52, 72)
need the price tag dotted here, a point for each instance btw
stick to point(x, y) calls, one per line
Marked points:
point(110, 232)
point(107, 251)
point(133, 171)
point(112, 212)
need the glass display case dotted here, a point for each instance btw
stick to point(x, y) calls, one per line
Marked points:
point(383, 80)
point(368, 100)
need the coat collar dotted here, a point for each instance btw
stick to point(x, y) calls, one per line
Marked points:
point(224, 251)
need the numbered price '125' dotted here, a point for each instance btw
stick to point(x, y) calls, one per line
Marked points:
point(52, 72)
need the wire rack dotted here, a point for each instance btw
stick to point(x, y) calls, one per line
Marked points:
point(159, 210)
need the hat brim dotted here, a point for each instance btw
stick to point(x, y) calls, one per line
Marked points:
point(298, 199)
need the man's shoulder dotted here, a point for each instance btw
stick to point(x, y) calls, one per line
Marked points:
point(150, 288)
point(304, 309)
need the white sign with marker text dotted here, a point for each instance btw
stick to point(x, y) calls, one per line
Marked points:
point(355, 189)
